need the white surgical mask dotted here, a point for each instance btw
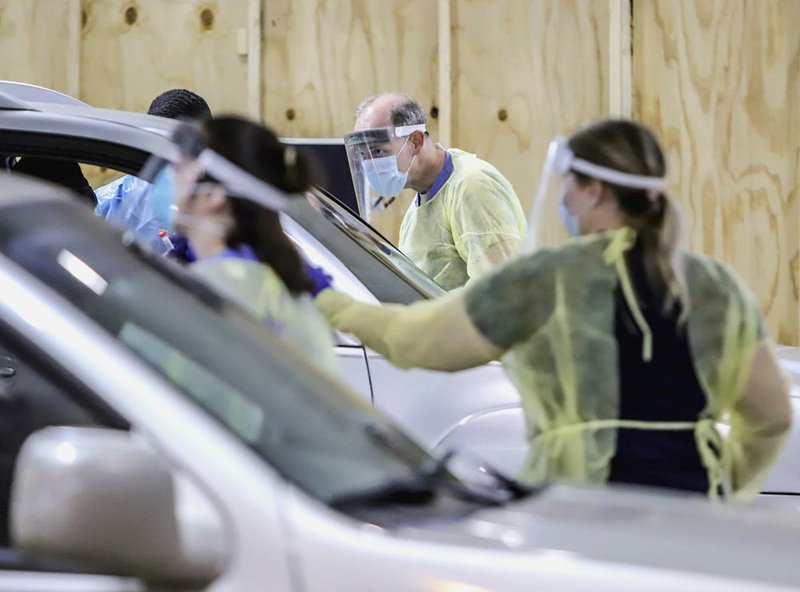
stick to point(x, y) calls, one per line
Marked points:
point(384, 176)
point(571, 221)
point(162, 198)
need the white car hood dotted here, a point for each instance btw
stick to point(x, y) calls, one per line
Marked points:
point(645, 529)
point(564, 539)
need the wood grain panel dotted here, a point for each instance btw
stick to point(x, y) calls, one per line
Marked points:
point(524, 72)
point(322, 57)
point(719, 81)
point(132, 50)
point(33, 36)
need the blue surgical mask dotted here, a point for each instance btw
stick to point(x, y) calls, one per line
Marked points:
point(384, 175)
point(162, 199)
point(571, 221)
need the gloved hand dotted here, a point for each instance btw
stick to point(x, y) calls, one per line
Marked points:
point(181, 249)
point(319, 277)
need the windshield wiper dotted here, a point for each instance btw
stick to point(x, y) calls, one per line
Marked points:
point(421, 487)
point(512, 486)
point(413, 491)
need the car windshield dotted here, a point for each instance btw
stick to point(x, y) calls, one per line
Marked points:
point(373, 242)
point(271, 397)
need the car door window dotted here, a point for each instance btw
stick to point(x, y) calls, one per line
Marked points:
point(363, 252)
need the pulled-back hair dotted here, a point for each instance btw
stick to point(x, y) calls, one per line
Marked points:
point(258, 151)
point(630, 147)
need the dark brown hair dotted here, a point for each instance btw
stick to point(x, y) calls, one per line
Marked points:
point(630, 147)
point(258, 151)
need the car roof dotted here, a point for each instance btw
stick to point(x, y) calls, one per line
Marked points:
point(25, 107)
point(21, 96)
point(151, 123)
point(31, 93)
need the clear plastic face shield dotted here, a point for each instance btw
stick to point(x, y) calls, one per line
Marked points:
point(551, 221)
point(172, 181)
point(377, 166)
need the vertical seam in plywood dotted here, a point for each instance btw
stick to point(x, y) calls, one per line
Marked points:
point(445, 74)
point(629, 28)
point(620, 85)
point(254, 49)
point(73, 48)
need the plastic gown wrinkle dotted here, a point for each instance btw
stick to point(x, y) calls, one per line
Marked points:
point(554, 313)
point(473, 224)
point(257, 288)
point(126, 202)
point(753, 444)
point(435, 334)
point(762, 435)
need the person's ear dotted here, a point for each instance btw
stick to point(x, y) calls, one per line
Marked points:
point(597, 191)
point(417, 140)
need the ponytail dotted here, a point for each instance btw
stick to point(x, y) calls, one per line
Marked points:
point(259, 152)
point(660, 236)
point(261, 229)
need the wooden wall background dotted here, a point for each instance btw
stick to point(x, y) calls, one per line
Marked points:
point(719, 80)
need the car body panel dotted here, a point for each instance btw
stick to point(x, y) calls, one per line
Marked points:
point(550, 537)
point(27, 93)
point(448, 398)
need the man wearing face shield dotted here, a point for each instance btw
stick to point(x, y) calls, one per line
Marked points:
point(466, 218)
point(627, 349)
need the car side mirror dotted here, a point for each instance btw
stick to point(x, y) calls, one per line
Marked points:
point(103, 500)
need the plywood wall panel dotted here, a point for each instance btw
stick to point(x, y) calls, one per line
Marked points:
point(524, 72)
point(33, 38)
point(132, 50)
point(321, 57)
point(719, 80)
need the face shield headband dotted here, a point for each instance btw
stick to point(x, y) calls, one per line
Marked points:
point(382, 134)
point(560, 159)
point(240, 183)
point(236, 180)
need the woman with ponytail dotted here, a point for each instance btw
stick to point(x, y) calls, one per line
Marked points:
point(628, 351)
point(240, 246)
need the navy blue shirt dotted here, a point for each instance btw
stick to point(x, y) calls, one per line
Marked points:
point(664, 389)
point(439, 181)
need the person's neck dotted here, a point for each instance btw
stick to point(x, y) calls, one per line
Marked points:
point(431, 164)
point(607, 217)
point(206, 244)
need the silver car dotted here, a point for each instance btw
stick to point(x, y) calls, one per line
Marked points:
point(141, 455)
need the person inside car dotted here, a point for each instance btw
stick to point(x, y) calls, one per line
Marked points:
point(61, 172)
